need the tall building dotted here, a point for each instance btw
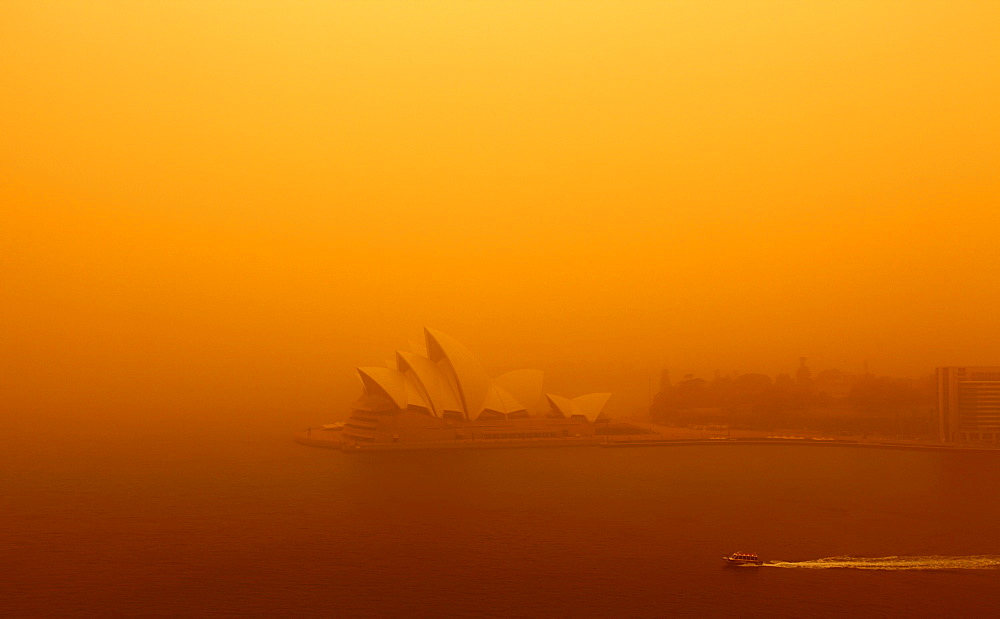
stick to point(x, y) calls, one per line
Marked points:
point(969, 404)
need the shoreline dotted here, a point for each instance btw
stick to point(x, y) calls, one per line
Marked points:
point(311, 440)
point(805, 441)
point(304, 438)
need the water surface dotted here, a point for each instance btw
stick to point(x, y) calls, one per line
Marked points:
point(245, 522)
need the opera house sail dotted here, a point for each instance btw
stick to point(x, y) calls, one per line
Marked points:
point(439, 396)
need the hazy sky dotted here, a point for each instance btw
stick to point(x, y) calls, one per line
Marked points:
point(227, 205)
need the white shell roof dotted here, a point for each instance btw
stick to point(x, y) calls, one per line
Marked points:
point(428, 378)
point(526, 387)
point(414, 393)
point(560, 405)
point(450, 378)
point(498, 400)
point(591, 405)
point(384, 381)
point(471, 380)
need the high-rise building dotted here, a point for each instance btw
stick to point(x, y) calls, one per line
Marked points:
point(969, 404)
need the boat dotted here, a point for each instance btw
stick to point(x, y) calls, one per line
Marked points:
point(743, 558)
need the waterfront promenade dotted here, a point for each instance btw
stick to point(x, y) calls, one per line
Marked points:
point(671, 436)
point(667, 436)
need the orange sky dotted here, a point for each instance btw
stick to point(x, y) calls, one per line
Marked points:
point(228, 205)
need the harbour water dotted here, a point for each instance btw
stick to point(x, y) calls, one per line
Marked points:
point(246, 522)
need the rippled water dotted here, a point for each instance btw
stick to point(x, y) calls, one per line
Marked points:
point(241, 522)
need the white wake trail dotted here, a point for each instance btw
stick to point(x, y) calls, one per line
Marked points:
point(933, 562)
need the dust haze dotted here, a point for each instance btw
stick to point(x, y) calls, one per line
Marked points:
point(216, 212)
point(761, 225)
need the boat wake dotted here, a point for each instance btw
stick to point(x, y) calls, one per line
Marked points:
point(934, 562)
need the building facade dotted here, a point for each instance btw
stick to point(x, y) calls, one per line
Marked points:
point(969, 404)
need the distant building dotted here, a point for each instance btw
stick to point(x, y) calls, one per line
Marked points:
point(969, 404)
point(439, 396)
point(803, 375)
point(664, 380)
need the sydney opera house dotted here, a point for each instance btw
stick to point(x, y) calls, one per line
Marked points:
point(439, 396)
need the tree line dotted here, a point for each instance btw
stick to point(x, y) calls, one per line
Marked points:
point(832, 401)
